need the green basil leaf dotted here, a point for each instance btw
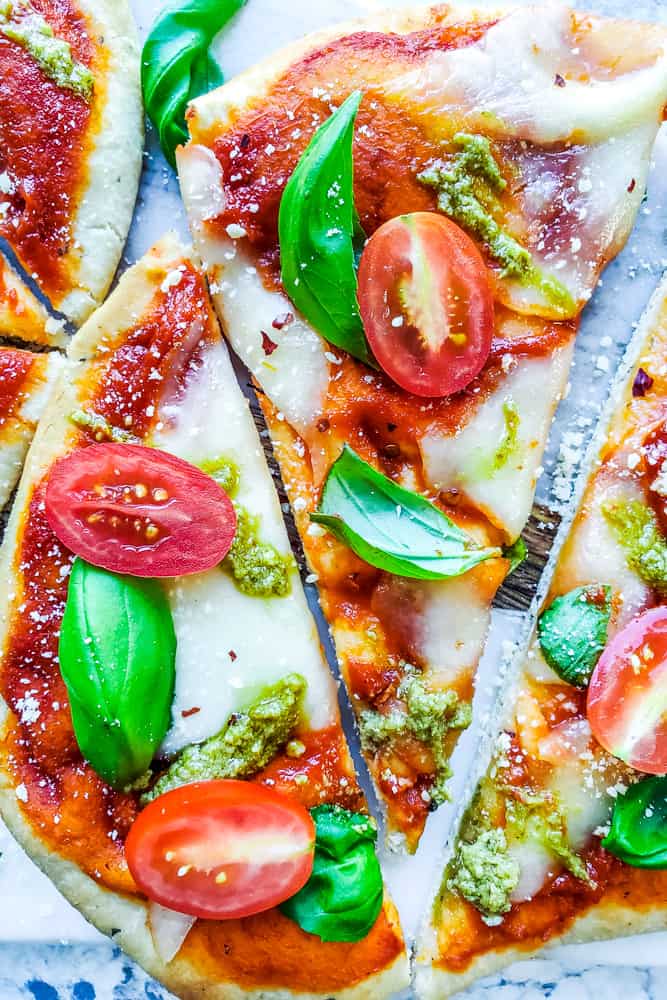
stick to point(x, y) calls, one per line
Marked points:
point(573, 632)
point(516, 553)
point(176, 65)
point(321, 237)
point(391, 527)
point(638, 832)
point(117, 651)
point(342, 898)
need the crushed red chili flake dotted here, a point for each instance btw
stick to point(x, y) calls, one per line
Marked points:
point(559, 81)
point(280, 322)
point(632, 185)
point(232, 655)
point(268, 345)
point(187, 712)
point(642, 383)
point(323, 425)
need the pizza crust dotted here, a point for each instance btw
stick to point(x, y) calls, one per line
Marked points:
point(22, 315)
point(110, 911)
point(113, 163)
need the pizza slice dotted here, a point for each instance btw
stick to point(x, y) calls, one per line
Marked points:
point(496, 160)
point(566, 836)
point(22, 315)
point(25, 382)
point(71, 128)
point(162, 675)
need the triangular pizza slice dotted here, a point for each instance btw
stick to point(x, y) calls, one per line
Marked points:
point(22, 315)
point(566, 837)
point(496, 160)
point(71, 127)
point(172, 754)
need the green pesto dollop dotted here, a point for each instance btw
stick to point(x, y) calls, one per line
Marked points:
point(224, 471)
point(468, 185)
point(485, 465)
point(535, 816)
point(428, 717)
point(637, 529)
point(248, 742)
point(20, 22)
point(100, 428)
point(485, 874)
point(257, 567)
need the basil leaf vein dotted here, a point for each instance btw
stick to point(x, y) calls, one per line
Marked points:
point(117, 655)
point(320, 234)
point(177, 66)
point(342, 899)
point(392, 528)
point(572, 632)
point(638, 831)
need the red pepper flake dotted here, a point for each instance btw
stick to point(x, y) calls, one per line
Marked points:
point(187, 712)
point(232, 655)
point(268, 345)
point(642, 383)
point(245, 141)
point(323, 425)
point(632, 185)
point(280, 322)
point(559, 81)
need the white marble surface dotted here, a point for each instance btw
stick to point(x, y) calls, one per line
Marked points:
point(35, 922)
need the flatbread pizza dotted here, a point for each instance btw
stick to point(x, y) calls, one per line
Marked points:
point(71, 127)
point(401, 220)
point(565, 838)
point(161, 675)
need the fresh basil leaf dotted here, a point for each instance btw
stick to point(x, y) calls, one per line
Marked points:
point(638, 832)
point(117, 651)
point(516, 553)
point(342, 898)
point(391, 527)
point(177, 66)
point(573, 632)
point(320, 234)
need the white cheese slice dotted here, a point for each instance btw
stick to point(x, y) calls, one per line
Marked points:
point(231, 645)
point(505, 84)
point(295, 375)
point(594, 555)
point(533, 388)
point(536, 865)
point(455, 617)
point(169, 930)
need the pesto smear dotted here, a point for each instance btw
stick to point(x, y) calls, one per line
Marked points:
point(257, 568)
point(468, 185)
point(637, 530)
point(20, 22)
point(485, 874)
point(428, 717)
point(485, 465)
point(100, 428)
point(247, 743)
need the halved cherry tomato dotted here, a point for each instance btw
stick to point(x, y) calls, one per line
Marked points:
point(426, 303)
point(627, 695)
point(221, 849)
point(137, 510)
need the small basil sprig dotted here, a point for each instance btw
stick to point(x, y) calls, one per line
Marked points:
point(638, 833)
point(573, 632)
point(321, 236)
point(117, 651)
point(177, 66)
point(342, 898)
point(391, 527)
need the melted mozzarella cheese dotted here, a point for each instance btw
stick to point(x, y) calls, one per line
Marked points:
point(231, 645)
point(505, 84)
point(454, 622)
point(169, 930)
point(536, 865)
point(296, 374)
point(581, 787)
point(464, 461)
point(594, 554)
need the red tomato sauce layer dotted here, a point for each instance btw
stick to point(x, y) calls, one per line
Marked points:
point(15, 370)
point(43, 147)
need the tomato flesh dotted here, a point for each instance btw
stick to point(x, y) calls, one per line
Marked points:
point(426, 303)
point(138, 510)
point(221, 849)
point(627, 695)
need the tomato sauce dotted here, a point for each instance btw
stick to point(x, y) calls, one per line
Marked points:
point(16, 368)
point(554, 909)
point(43, 146)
